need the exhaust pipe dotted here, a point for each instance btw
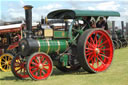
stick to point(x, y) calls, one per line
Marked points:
point(28, 16)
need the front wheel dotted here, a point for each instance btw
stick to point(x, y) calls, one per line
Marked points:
point(95, 50)
point(39, 66)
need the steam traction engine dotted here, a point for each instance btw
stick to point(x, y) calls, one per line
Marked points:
point(9, 38)
point(68, 47)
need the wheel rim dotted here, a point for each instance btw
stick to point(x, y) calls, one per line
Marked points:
point(40, 66)
point(98, 50)
point(5, 62)
point(19, 67)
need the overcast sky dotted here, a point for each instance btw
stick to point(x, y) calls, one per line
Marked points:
point(12, 9)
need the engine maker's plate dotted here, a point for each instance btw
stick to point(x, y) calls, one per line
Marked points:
point(48, 32)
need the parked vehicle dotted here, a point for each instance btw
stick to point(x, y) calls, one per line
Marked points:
point(10, 36)
point(69, 47)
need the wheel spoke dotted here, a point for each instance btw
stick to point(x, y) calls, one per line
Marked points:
point(89, 53)
point(99, 40)
point(36, 73)
point(42, 58)
point(9, 61)
point(18, 69)
point(97, 62)
point(34, 63)
point(10, 58)
point(3, 65)
point(33, 67)
point(8, 67)
point(46, 65)
point(89, 44)
point(90, 49)
point(43, 72)
point(36, 60)
point(103, 56)
point(103, 43)
point(40, 72)
point(106, 49)
point(4, 59)
point(45, 69)
point(44, 62)
point(101, 60)
point(34, 70)
point(102, 52)
point(21, 70)
point(92, 40)
point(92, 61)
point(95, 39)
point(39, 59)
point(102, 47)
point(90, 58)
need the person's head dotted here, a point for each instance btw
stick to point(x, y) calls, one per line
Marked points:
point(101, 18)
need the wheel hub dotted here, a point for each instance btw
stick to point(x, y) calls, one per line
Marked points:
point(6, 62)
point(97, 50)
point(40, 66)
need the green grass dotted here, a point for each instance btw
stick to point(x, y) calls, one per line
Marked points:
point(117, 74)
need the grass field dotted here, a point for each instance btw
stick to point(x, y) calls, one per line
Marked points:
point(117, 74)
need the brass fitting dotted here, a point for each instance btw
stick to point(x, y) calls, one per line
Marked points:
point(28, 7)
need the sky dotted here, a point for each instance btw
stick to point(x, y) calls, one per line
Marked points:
point(13, 9)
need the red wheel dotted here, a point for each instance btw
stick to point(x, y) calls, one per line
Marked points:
point(18, 65)
point(95, 50)
point(39, 66)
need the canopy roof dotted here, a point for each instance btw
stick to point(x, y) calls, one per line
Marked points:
point(71, 14)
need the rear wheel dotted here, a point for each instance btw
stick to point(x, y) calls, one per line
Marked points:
point(39, 66)
point(5, 62)
point(95, 50)
point(116, 45)
point(120, 43)
point(18, 65)
point(124, 42)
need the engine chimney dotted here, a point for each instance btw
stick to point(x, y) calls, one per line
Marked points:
point(28, 15)
point(122, 24)
point(114, 36)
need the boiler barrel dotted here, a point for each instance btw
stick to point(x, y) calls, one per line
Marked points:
point(29, 46)
point(51, 46)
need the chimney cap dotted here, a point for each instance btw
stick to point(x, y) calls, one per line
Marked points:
point(28, 7)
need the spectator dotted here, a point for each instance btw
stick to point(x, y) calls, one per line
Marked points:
point(101, 23)
point(93, 24)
